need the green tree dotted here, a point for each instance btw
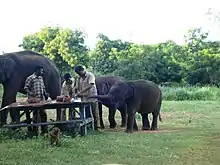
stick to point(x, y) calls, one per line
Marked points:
point(62, 45)
point(204, 66)
point(105, 55)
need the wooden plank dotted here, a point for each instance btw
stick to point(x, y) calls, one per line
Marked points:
point(86, 121)
point(46, 105)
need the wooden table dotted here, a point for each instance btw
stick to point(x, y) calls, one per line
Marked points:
point(52, 105)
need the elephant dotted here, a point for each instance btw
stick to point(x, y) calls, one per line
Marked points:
point(15, 67)
point(140, 96)
point(103, 85)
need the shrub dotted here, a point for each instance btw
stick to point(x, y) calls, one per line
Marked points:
point(191, 93)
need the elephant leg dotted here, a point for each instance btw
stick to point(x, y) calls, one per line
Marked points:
point(9, 95)
point(100, 116)
point(154, 122)
point(130, 120)
point(135, 127)
point(155, 114)
point(145, 122)
point(59, 111)
point(111, 118)
point(14, 114)
point(123, 116)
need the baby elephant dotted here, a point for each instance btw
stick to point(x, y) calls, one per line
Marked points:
point(140, 96)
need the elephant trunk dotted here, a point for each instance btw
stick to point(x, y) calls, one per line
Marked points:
point(103, 98)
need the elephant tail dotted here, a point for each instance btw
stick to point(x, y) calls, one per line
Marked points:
point(160, 118)
point(158, 109)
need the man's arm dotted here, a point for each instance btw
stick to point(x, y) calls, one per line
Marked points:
point(88, 87)
point(27, 85)
point(46, 94)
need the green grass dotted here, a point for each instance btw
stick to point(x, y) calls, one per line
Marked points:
point(191, 93)
point(189, 134)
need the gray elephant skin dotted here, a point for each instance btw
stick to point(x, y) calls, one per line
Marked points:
point(103, 84)
point(140, 96)
point(15, 67)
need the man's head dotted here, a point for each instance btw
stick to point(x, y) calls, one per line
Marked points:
point(39, 70)
point(80, 70)
point(67, 77)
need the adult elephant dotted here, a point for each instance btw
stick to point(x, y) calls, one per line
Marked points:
point(15, 67)
point(140, 96)
point(103, 84)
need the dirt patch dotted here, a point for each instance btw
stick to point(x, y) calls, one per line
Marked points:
point(176, 115)
point(160, 130)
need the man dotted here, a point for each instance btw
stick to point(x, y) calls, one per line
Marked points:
point(68, 86)
point(86, 87)
point(67, 90)
point(34, 86)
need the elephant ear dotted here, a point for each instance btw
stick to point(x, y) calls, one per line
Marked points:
point(130, 91)
point(8, 66)
point(103, 88)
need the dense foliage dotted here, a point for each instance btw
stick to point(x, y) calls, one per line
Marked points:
point(197, 62)
point(64, 46)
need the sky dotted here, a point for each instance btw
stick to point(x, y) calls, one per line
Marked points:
point(139, 21)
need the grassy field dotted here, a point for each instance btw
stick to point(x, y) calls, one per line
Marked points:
point(188, 135)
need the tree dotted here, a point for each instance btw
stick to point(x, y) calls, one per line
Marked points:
point(106, 54)
point(64, 46)
point(204, 66)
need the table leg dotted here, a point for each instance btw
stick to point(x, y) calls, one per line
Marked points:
point(28, 119)
point(58, 114)
point(90, 111)
point(72, 113)
point(83, 128)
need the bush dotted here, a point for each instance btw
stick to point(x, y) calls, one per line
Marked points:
point(191, 93)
